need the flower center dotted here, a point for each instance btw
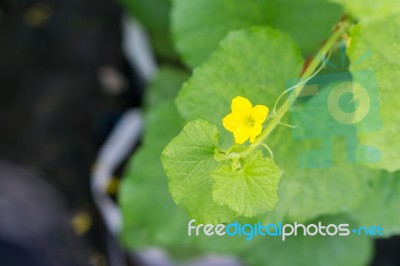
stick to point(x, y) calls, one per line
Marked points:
point(251, 121)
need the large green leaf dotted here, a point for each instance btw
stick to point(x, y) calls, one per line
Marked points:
point(188, 161)
point(199, 25)
point(251, 63)
point(249, 190)
point(374, 49)
point(368, 10)
point(382, 204)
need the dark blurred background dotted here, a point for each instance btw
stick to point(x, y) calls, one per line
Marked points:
point(63, 84)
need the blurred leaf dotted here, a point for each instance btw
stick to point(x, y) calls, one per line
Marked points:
point(165, 85)
point(382, 204)
point(312, 250)
point(252, 63)
point(150, 216)
point(154, 15)
point(367, 10)
point(149, 213)
point(199, 25)
point(375, 47)
point(308, 22)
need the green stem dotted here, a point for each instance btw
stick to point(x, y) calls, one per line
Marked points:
point(276, 119)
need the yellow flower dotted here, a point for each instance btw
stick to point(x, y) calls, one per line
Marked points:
point(245, 121)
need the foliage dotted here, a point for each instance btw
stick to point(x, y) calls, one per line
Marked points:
point(323, 169)
point(197, 34)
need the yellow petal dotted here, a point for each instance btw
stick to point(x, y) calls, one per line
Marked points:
point(259, 113)
point(231, 122)
point(241, 134)
point(241, 106)
point(255, 131)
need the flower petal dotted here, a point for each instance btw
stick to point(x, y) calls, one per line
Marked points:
point(255, 131)
point(241, 106)
point(259, 113)
point(231, 122)
point(241, 134)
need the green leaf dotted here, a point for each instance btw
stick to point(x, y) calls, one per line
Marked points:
point(249, 190)
point(321, 176)
point(368, 10)
point(312, 250)
point(251, 63)
point(154, 15)
point(149, 213)
point(381, 205)
point(165, 85)
point(150, 216)
point(188, 161)
point(308, 22)
point(374, 48)
point(199, 25)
